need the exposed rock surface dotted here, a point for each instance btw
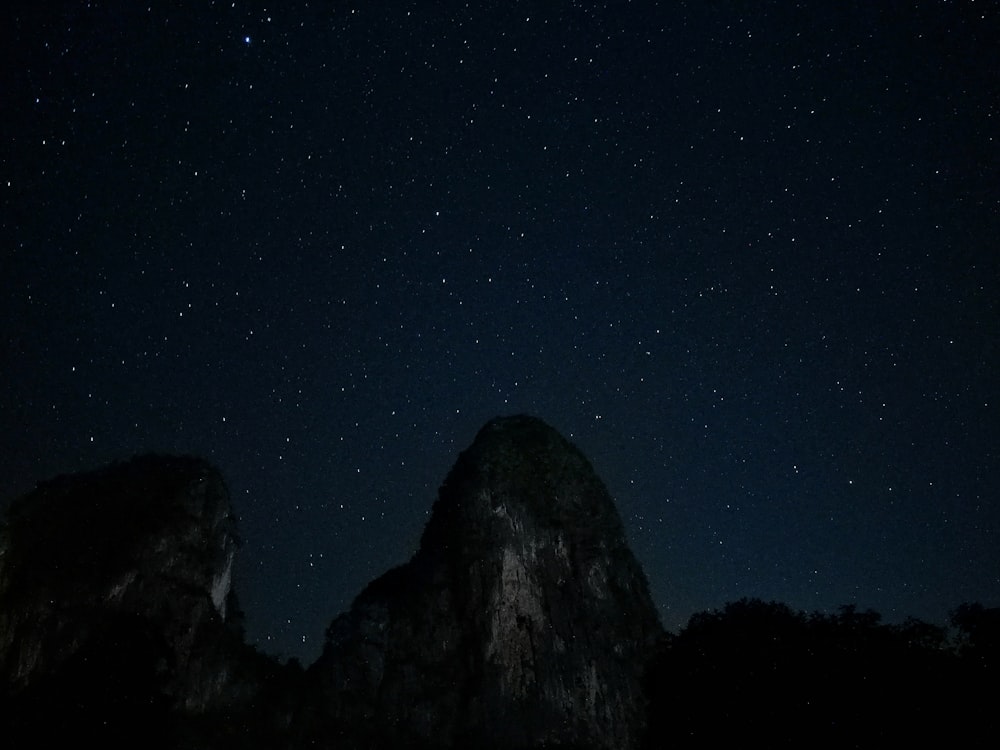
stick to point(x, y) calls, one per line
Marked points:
point(153, 536)
point(115, 590)
point(522, 620)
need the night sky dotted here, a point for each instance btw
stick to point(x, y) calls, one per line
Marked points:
point(744, 255)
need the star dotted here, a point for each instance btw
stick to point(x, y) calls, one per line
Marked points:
point(319, 306)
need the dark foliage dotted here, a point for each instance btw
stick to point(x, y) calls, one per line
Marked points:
point(979, 634)
point(109, 693)
point(114, 693)
point(758, 672)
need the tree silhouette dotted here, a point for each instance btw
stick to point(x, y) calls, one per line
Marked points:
point(758, 671)
point(979, 632)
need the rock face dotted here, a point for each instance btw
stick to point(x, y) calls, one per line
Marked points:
point(115, 590)
point(522, 621)
point(152, 536)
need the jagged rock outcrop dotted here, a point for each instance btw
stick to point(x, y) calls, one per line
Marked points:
point(153, 538)
point(522, 621)
point(115, 602)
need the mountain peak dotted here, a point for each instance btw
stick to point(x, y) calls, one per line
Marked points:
point(524, 609)
point(523, 620)
point(517, 468)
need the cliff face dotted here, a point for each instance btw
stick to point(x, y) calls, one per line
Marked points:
point(114, 589)
point(523, 619)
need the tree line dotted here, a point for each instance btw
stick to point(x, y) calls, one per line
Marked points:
point(759, 671)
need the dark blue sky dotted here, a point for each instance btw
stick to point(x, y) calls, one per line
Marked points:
point(743, 254)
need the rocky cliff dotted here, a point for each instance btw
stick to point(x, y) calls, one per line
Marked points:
point(116, 604)
point(153, 537)
point(522, 621)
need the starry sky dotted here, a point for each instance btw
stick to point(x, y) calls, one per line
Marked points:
point(744, 255)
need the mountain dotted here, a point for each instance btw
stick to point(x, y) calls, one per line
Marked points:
point(522, 621)
point(152, 538)
point(116, 607)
